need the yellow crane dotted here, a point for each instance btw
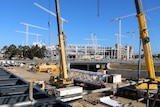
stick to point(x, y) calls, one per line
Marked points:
point(63, 78)
point(146, 47)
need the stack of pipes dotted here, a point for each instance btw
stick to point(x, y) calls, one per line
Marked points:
point(90, 77)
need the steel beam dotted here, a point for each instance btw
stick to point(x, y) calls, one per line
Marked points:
point(15, 89)
point(9, 82)
point(116, 86)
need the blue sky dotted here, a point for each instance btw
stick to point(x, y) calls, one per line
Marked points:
point(82, 19)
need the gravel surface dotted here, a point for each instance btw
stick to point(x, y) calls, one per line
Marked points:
point(28, 75)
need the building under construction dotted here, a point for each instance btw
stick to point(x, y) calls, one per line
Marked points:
point(91, 51)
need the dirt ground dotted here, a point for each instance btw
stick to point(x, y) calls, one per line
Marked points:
point(29, 75)
point(90, 100)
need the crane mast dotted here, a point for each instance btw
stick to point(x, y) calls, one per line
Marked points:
point(61, 80)
point(146, 48)
point(145, 39)
point(61, 42)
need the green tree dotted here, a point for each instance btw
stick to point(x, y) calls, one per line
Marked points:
point(36, 51)
point(25, 51)
point(41, 52)
point(20, 53)
point(11, 51)
point(3, 50)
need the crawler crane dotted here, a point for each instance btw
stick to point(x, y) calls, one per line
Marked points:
point(146, 48)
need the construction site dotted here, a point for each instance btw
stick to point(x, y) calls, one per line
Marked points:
point(83, 75)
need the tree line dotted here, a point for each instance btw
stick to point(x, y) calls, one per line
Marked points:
point(24, 52)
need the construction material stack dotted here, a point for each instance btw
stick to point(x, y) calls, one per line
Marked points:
point(89, 77)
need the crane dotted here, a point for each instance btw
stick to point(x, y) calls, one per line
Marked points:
point(63, 79)
point(119, 19)
point(50, 12)
point(35, 34)
point(27, 27)
point(146, 48)
point(119, 46)
point(94, 41)
point(60, 82)
point(133, 34)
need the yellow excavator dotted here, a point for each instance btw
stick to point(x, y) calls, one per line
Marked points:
point(146, 48)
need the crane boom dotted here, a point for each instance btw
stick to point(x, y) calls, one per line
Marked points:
point(63, 80)
point(145, 39)
point(28, 33)
point(146, 48)
point(48, 11)
point(35, 34)
point(134, 14)
point(27, 25)
point(120, 27)
point(61, 42)
point(38, 27)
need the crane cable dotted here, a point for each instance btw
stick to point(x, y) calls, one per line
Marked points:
point(98, 8)
point(49, 23)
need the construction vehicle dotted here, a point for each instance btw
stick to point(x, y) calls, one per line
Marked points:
point(50, 68)
point(142, 89)
point(146, 48)
point(62, 79)
point(61, 85)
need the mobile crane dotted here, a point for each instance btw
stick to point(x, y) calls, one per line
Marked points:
point(146, 48)
point(141, 89)
point(63, 84)
point(62, 79)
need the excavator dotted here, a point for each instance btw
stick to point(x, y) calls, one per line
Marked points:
point(146, 48)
